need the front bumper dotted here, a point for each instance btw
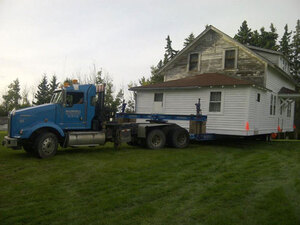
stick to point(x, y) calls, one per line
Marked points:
point(11, 142)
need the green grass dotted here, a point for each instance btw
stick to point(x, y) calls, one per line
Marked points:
point(209, 183)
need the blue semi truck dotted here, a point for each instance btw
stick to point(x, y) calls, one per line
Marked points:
point(76, 116)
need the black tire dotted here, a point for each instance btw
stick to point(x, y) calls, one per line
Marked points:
point(28, 148)
point(45, 145)
point(156, 139)
point(180, 138)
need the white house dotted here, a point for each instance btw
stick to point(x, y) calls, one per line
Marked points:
point(244, 90)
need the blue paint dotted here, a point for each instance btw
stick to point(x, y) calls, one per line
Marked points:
point(24, 122)
point(162, 117)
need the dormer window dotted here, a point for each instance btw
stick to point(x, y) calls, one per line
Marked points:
point(230, 59)
point(193, 62)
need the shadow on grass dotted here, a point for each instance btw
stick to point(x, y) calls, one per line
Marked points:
point(239, 144)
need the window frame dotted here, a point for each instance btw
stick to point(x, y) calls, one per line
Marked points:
point(158, 93)
point(221, 102)
point(235, 58)
point(273, 104)
point(71, 93)
point(198, 62)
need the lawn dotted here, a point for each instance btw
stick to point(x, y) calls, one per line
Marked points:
point(209, 183)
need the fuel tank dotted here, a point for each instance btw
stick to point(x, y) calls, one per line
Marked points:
point(83, 138)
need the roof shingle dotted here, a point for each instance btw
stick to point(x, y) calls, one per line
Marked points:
point(201, 80)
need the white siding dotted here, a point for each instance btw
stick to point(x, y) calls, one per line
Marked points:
point(275, 81)
point(230, 121)
point(260, 120)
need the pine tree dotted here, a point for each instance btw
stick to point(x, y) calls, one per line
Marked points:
point(189, 39)
point(170, 52)
point(12, 98)
point(244, 34)
point(295, 66)
point(52, 86)
point(285, 46)
point(273, 36)
point(42, 94)
point(255, 39)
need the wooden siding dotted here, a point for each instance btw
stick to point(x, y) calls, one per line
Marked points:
point(211, 49)
point(230, 121)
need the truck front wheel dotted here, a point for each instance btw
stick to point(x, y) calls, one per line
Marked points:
point(46, 145)
point(156, 139)
point(28, 148)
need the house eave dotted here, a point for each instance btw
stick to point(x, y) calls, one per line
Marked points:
point(289, 95)
point(198, 87)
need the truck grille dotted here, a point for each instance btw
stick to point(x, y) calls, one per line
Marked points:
point(8, 125)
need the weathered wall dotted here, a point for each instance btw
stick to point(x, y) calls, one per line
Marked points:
point(211, 48)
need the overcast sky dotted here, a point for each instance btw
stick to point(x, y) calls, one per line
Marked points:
point(124, 37)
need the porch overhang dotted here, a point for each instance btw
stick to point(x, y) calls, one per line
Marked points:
point(290, 96)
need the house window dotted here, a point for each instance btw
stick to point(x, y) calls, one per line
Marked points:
point(289, 110)
point(230, 59)
point(158, 97)
point(215, 101)
point(258, 97)
point(193, 62)
point(273, 105)
point(281, 107)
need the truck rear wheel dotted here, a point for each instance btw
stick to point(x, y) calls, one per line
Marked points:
point(156, 139)
point(180, 138)
point(46, 145)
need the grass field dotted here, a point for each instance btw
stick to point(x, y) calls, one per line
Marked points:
point(209, 183)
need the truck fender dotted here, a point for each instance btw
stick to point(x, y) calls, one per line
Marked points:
point(30, 131)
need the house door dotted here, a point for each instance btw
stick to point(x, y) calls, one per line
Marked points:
point(158, 103)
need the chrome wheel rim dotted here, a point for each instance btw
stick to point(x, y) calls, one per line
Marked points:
point(156, 140)
point(48, 146)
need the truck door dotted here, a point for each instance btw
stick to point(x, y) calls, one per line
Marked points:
point(73, 115)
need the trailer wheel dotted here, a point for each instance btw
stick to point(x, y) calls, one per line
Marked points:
point(156, 139)
point(180, 138)
point(46, 145)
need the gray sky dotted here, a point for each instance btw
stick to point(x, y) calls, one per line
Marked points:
point(67, 37)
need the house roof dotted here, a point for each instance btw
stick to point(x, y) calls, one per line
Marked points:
point(288, 93)
point(285, 90)
point(201, 80)
point(264, 50)
point(249, 49)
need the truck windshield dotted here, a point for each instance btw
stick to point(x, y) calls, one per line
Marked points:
point(56, 97)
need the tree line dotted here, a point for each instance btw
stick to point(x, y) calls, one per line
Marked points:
point(14, 99)
point(289, 45)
